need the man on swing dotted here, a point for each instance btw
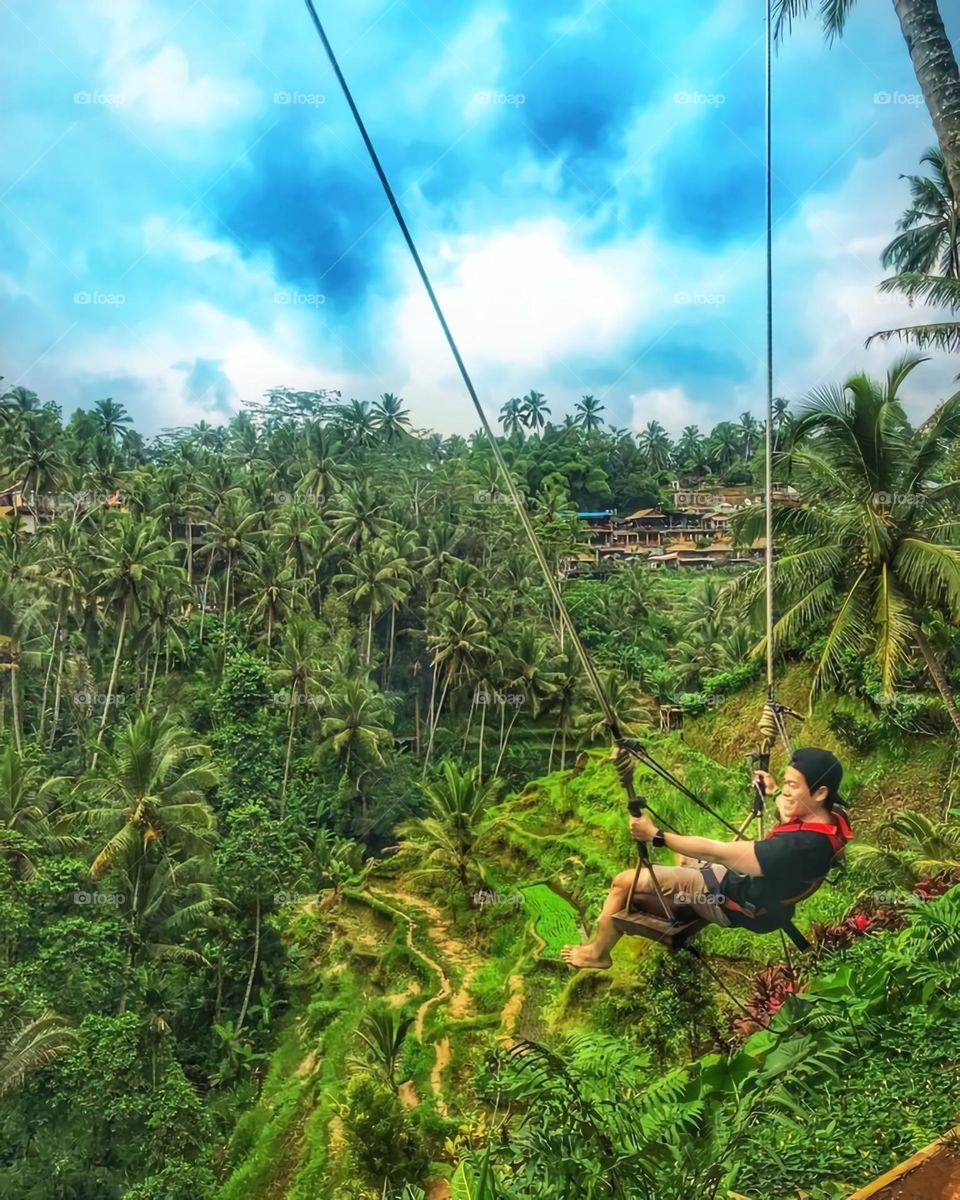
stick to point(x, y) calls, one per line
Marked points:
point(750, 884)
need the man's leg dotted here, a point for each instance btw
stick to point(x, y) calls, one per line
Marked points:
point(596, 954)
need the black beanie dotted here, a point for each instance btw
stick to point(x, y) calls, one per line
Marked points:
point(820, 768)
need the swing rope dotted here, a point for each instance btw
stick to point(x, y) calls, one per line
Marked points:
point(609, 716)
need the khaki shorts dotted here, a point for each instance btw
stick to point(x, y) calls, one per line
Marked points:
point(685, 887)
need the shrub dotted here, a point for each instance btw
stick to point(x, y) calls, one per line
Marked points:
point(380, 1135)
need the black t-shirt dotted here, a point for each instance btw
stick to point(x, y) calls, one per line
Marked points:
point(790, 862)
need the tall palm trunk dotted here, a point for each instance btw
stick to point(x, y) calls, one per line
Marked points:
point(153, 675)
point(15, 704)
point(483, 718)
point(937, 73)
point(292, 723)
point(46, 679)
point(939, 677)
point(253, 971)
point(435, 722)
point(370, 637)
point(226, 597)
point(466, 732)
point(55, 719)
point(110, 686)
point(503, 748)
point(206, 589)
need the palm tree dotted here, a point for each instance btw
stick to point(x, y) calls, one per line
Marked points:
point(31, 1047)
point(930, 50)
point(534, 410)
point(391, 419)
point(690, 450)
point(356, 727)
point(298, 670)
point(655, 444)
point(911, 847)
point(34, 459)
point(166, 903)
point(322, 476)
point(301, 535)
point(131, 565)
point(358, 517)
point(230, 537)
point(383, 1031)
point(374, 581)
point(873, 553)
point(929, 237)
point(110, 419)
point(150, 791)
point(624, 698)
point(24, 790)
point(781, 419)
point(21, 617)
point(725, 442)
point(461, 825)
point(357, 424)
point(750, 429)
point(511, 418)
point(273, 592)
point(588, 410)
point(458, 639)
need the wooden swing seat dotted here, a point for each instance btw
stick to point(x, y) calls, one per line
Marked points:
point(672, 934)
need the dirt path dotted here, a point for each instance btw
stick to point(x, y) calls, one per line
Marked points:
point(440, 1064)
point(513, 1007)
point(453, 950)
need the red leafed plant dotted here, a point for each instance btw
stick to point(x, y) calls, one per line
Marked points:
point(770, 987)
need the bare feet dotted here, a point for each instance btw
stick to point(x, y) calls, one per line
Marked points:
point(585, 958)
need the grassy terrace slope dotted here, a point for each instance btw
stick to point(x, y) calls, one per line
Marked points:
point(471, 977)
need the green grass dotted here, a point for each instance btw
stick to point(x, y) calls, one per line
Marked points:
point(555, 920)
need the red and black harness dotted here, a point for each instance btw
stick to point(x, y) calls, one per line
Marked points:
point(839, 834)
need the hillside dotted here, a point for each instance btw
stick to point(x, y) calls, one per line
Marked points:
point(481, 978)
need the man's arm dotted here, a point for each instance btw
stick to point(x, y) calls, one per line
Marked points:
point(738, 856)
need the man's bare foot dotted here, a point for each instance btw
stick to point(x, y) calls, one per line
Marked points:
point(584, 957)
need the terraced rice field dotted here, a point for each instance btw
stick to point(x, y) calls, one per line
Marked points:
point(555, 920)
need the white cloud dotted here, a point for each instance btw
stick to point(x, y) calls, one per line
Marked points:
point(836, 244)
point(522, 302)
point(166, 90)
point(672, 407)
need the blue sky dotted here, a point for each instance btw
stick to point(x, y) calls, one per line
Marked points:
point(188, 217)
